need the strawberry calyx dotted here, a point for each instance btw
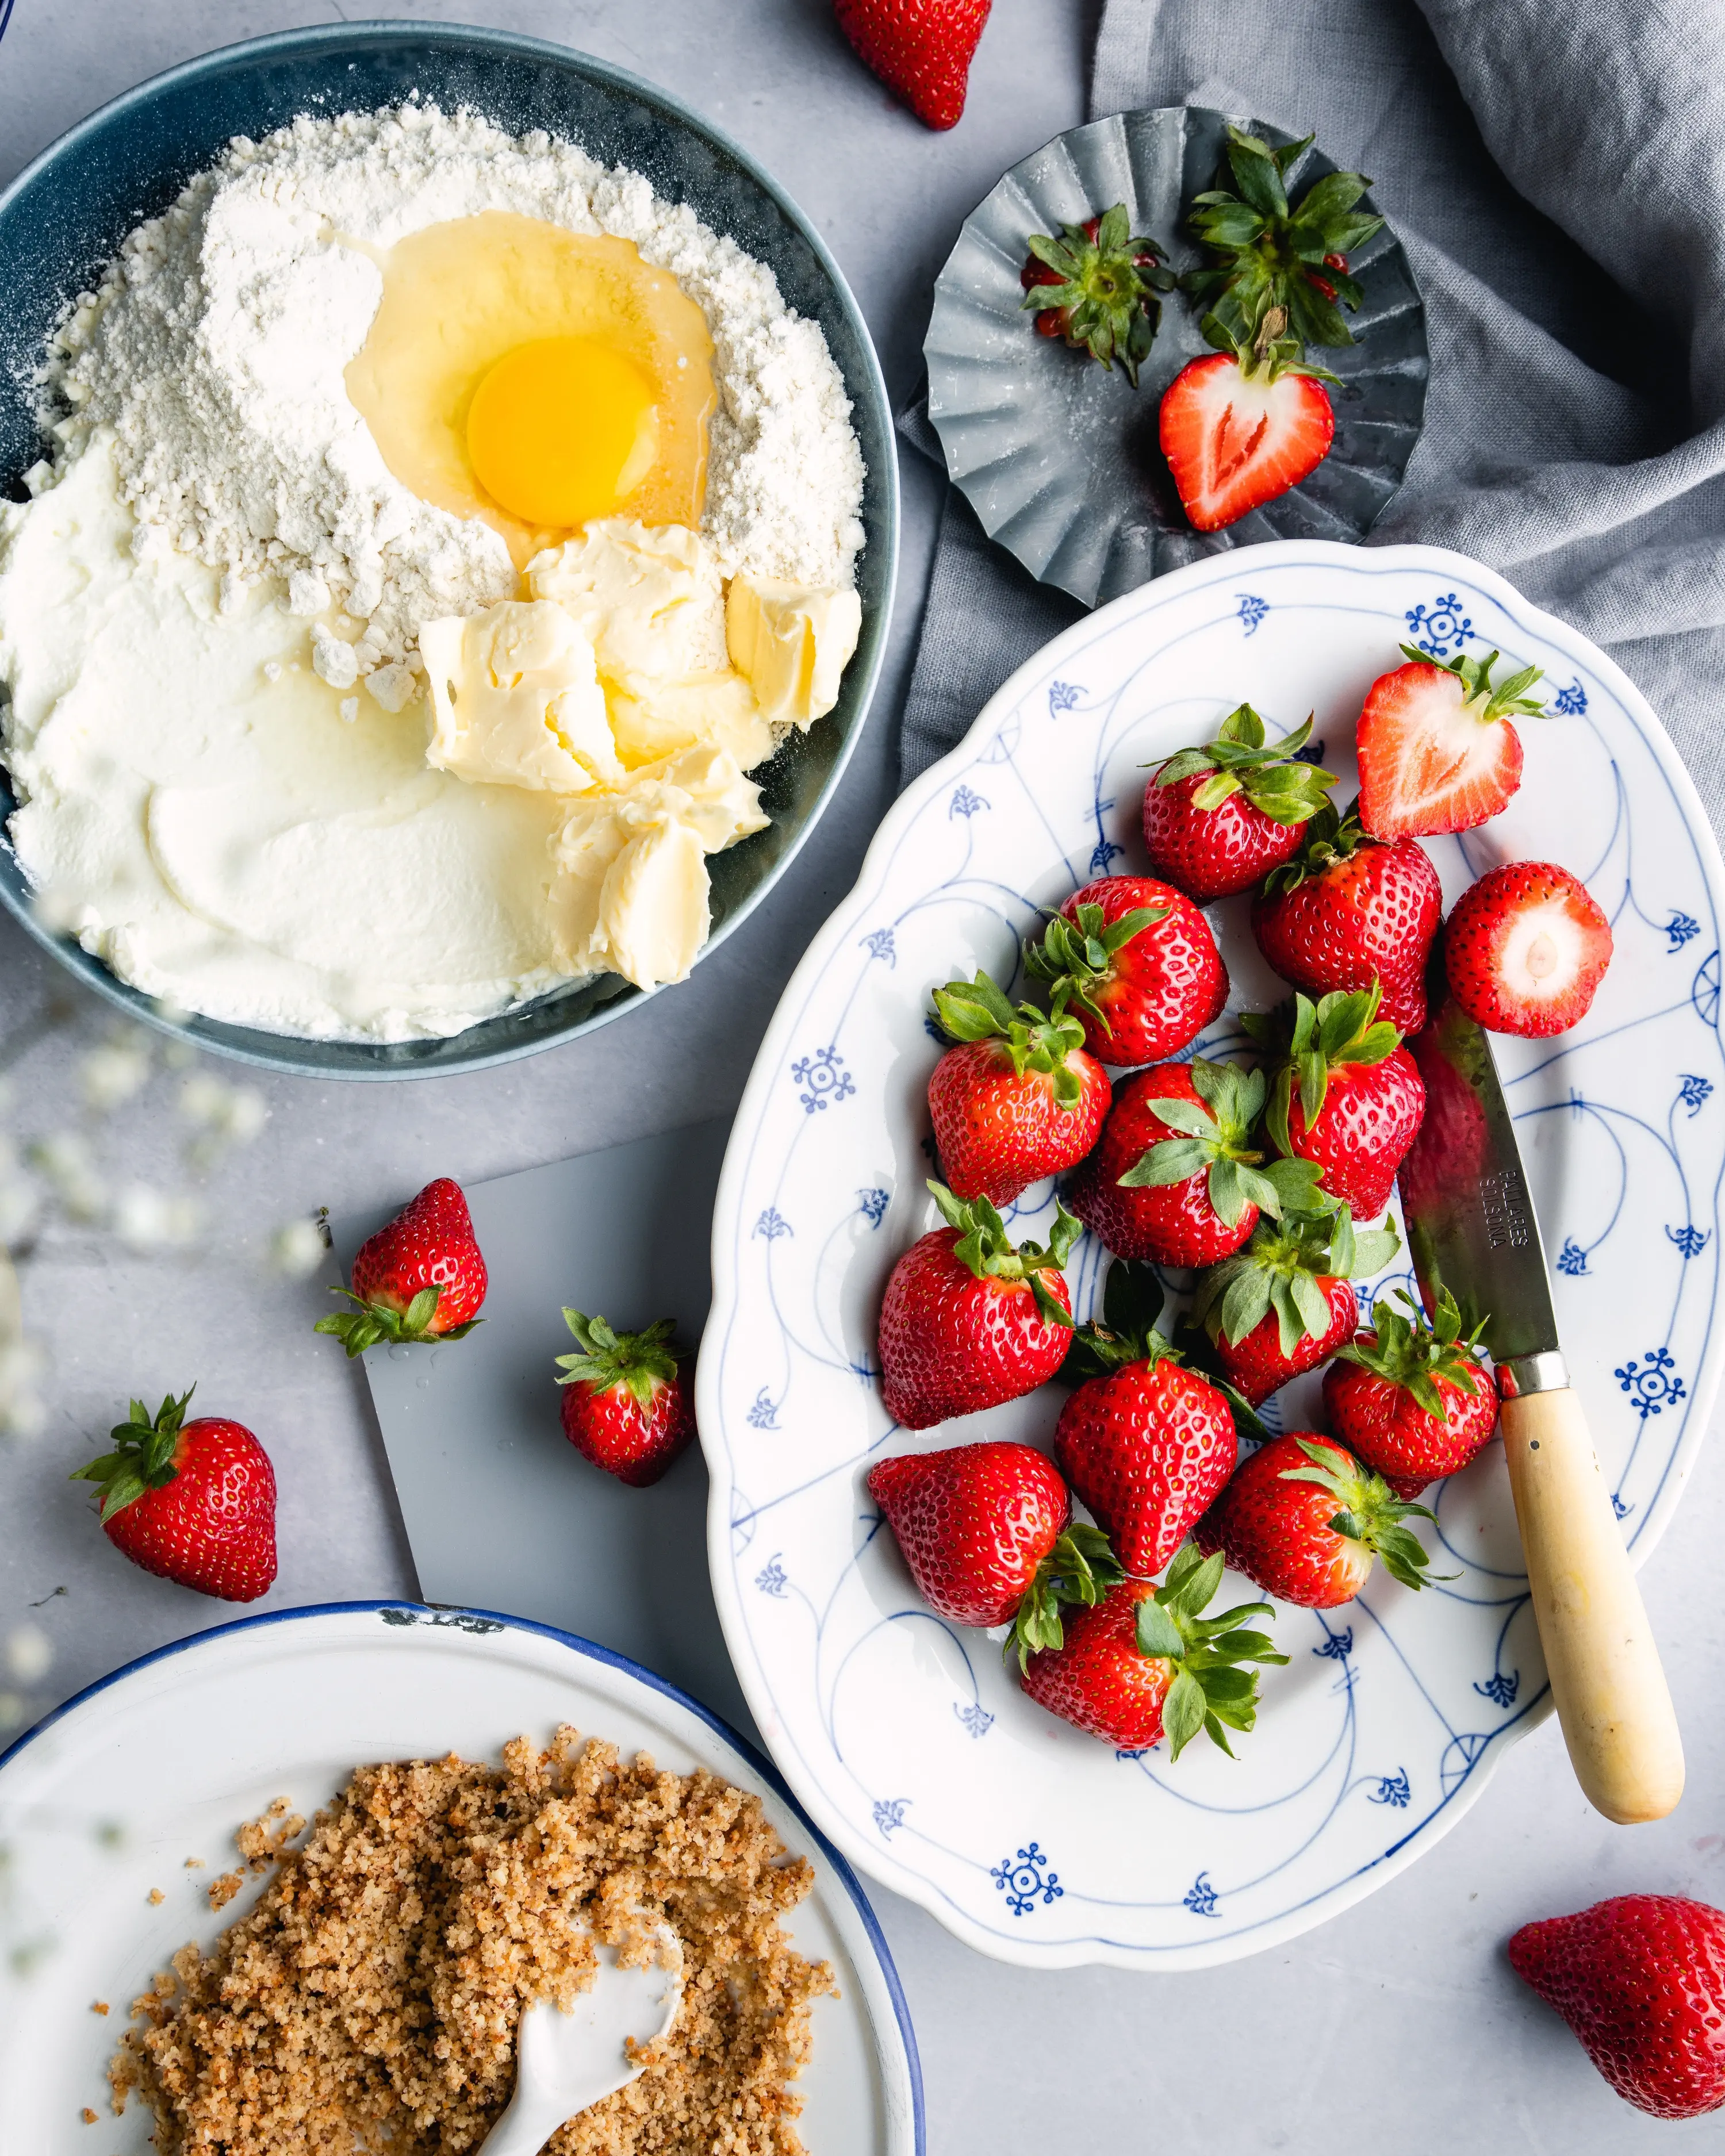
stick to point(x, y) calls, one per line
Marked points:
point(1132, 1301)
point(1413, 1352)
point(144, 1455)
point(1480, 698)
point(367, 1323)
point(1077, 1573)
point(641, 1361)
point(1370, 1513)
point(1341, 1027)
point(1333, 834)
point(986, 1249)
point(1273, 778)
point(1279, 1270)
point(1270, 252)
point(1038, 1041)
point(1216, 1136)
point(1104, 282)
point(1263, 348)
point(1076, 954)
point(1210, 1687)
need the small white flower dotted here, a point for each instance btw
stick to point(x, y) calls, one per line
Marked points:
point(226, 1115)
point(29, 1653)
point(14, 1710)
point(67, 1160)
point(296, 1249)
point(149, 1219)
point(108, 1077)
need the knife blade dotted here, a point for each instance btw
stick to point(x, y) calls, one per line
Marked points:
point(1472, 1229)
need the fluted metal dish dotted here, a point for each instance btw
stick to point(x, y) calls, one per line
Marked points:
point(1059, 459)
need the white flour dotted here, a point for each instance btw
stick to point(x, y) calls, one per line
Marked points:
point(216, 346)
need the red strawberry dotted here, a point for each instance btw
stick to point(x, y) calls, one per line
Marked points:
point(1305, 1520)
point(1145, 1662)
point(625, 1404)
point(1525, 949)
point(1284, 1304)
point(1437, 752)
point(1347, 1095)
point(1145, 1443)
point(1347, 909)
point(1409, 1397)
point(968, 1320)
point(191, 1502)
point(1136, 963)
point(1640, 1978)
point(1244, 423)
point(921, 49)
point(1218, 818)
point(1176, 1177)
point(1096, 286)
point(421, 1278)
point(1018, 1099)
point(983, 1529)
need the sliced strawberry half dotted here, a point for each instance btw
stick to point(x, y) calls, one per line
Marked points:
point(1525, 949)
point(1244, 424)
point(1437, 750)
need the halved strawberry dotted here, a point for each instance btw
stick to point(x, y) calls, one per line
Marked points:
point(1244, 424)
point(1437, 752)
point(1525, 949)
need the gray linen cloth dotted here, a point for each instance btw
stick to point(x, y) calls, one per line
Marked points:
point(1557, 176)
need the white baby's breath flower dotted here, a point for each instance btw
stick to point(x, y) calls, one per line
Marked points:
point(30, 1654)
point(296, 1249)
point(67, 1161)
point(226, 1115)
point(145, 1219)
point(108, 1077)
point(14, 1711)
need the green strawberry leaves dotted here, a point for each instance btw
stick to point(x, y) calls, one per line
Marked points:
point(1332, 835)
point(1413, 1353)
point(1075, 956)
point(1271, 776)
point(979, 1010)
point(1343, 1027)
point(1370, 1513)
point(1132, 1305)
point(1078, 1571)
point(1109, 283)
point(143, 1454)
point(1279, 1271)
point(1474, 675)
point(1214, 1134)
point(986, 1249)
point(642, 1361)
point(1209, 1689)
point(367, 1323)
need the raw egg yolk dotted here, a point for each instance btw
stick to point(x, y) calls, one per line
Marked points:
point(562, 430)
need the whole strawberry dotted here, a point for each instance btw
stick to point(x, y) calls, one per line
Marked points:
point(1525, 949)
point(1096, 286)
point(984, 1531)
point(420, 1278)
point(625, 1404)
point(1409, 1398)
point(1218, 818)
point(1306, 1522)
point(1145, 1443)
point(1438, 750)
point(1640, 1978)
point(969, 1319)
point(1347, 909)
point(1285, 1302)
point(921, 49)
point(1178, 1177)
point(191, 1502)
point(1146, 1663)
point(1135, 961)
point(1346, 1095)
point(1018, 1099)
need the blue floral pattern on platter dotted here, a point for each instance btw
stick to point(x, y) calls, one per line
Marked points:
point(1391, 1714)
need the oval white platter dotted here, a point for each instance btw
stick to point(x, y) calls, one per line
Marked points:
point(105, 1800)
point(904, 1736)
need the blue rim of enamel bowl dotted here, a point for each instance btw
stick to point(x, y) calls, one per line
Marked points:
point(590, 1650)
point(431, 1057)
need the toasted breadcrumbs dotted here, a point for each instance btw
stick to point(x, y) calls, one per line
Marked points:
point(100, 2006)
point(375, 1989)
point(87, 2116)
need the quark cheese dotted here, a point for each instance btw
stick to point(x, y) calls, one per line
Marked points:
point(792, 642)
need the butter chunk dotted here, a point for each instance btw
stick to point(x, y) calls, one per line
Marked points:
point(649, 597)
point(515, 700)
point(792, 642)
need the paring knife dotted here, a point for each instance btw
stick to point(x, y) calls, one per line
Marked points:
point(1471, 1229)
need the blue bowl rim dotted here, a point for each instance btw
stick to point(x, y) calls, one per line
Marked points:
point(208, 1034)
point(591, 1650)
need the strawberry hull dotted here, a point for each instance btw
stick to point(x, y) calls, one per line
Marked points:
point(1256, 1367)
point(998, 1132)
point(1212, 853)
point(1277, 1531)
point(1170, 1223)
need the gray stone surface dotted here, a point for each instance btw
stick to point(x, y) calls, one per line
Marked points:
point(1399, 2023)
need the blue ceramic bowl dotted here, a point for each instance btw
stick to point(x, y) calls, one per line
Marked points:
point(65, 216)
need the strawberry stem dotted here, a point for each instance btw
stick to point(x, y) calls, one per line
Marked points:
point(979, 1010)
point(1275, 778)
point(642, 1361)
point(1210, 1688)
point(1078, 1571)
point(1370, 1513)
point(1076, 954)
point(984, 1247)
point(367, 1323)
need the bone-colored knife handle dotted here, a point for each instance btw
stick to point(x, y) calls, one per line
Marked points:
point(1611, 1696)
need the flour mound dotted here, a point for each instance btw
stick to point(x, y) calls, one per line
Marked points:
point(216, 346)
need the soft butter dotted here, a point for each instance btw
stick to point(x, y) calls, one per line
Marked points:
point(792, 642)
point(515, 700)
